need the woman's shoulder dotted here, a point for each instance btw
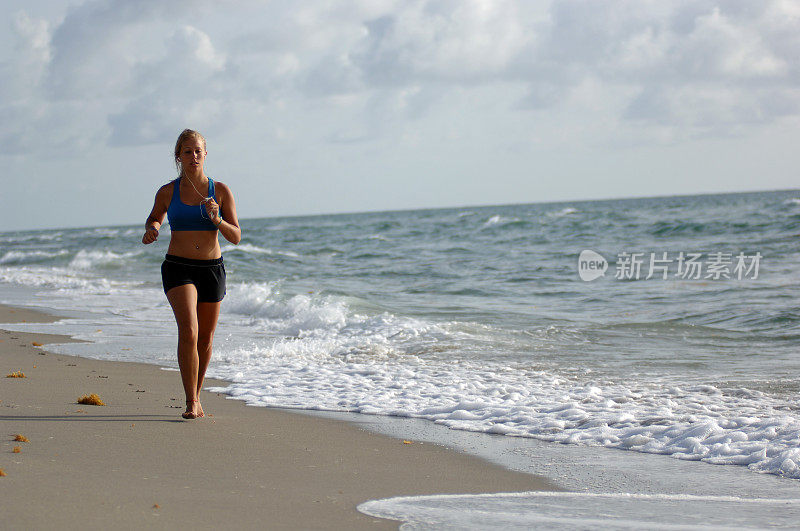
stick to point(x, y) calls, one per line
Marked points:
point(165, 191)
point(167, 186)
point(221, 187)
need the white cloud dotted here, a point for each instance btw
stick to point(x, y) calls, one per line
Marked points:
point(695, 66)
point(99, 43)
point(188, 84)
point(22, 72)
point(132, 73)
point(35, 37)
point(450, 41)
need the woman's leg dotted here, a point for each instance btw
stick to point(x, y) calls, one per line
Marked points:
point(183, 300)
point(207, 315)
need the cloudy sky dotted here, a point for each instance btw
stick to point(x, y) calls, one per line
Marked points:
point(341, 106)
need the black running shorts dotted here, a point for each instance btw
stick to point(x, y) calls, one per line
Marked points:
point(208, 276)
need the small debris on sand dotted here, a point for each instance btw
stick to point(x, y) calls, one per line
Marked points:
point(21, 438)
point(91, 400)
point(17, 449)
point(18, 374)
point(36, 344)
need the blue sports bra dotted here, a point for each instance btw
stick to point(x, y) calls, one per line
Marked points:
point(189, 217)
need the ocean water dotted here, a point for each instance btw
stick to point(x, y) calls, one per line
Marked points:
point(479, 319)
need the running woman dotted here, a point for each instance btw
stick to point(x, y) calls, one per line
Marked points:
point(193, 274)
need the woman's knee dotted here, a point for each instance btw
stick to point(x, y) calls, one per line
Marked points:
point(205, 338)
point(187, 333)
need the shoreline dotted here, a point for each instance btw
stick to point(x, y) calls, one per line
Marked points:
point(136, 461)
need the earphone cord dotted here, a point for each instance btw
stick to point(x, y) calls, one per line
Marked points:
point(198, 191)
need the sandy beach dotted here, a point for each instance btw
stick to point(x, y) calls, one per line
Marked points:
point(134, 463)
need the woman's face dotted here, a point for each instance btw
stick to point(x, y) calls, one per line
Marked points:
point(192, 155)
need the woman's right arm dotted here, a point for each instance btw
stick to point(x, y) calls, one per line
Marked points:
point(156, 217)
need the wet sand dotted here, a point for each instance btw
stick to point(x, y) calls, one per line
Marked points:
point(136, 463)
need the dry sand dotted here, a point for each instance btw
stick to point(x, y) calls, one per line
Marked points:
point(135, 463)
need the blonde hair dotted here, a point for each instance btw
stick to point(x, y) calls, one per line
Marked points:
point(185, 135)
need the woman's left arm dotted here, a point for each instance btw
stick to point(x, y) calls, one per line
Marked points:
point(228, 223)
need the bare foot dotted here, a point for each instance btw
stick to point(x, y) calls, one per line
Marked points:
point(200, 412)
point(191, 409)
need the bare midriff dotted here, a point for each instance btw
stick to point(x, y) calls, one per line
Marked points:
point(196, 244)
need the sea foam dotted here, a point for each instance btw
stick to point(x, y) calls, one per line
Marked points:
point(573, 510)
point(330, 358)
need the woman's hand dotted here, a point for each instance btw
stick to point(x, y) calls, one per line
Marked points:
point(150, 235)
point(212, 209)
